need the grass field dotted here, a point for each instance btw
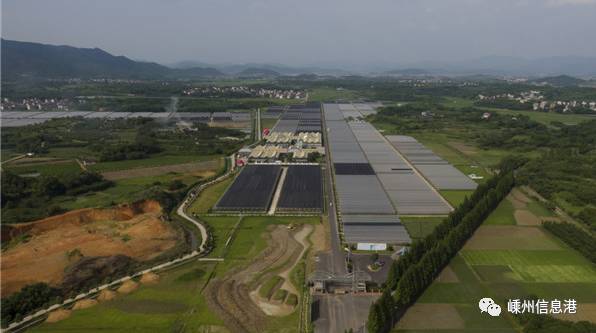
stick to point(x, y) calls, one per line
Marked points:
point(208, 198)
point(157, 160)
point(502, 215)
point(58, 168)
point(455, 197)
point(420, 227)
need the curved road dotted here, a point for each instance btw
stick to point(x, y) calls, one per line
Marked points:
point(191, 196)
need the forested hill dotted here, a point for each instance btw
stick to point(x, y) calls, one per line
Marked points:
point(24, 59)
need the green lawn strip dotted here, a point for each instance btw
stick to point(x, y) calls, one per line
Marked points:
point(67, 167)
point(209, 196)
point(455, 197)
point(420, 227)
point(523, 257)
point(556, 273)
point(154, 161)
point(502, 215)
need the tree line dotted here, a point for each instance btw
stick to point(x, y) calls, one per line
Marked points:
point(575, 237)
point(415, 271)
point(27, 198)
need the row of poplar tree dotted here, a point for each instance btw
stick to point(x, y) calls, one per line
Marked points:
point(416, 269)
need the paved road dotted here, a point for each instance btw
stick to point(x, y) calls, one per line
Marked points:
point(338, 313)
point(336, 262)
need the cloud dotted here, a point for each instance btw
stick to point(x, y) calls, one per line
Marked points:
point(557, 3)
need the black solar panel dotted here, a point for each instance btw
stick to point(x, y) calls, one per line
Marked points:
point(353, 169)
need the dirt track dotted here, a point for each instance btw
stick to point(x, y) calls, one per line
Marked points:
point(59, 241)
point(230, 296)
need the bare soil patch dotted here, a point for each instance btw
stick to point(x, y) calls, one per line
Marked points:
point(202, 169)
point(585, 311)
point(128, 287)
point(520, 196)
point(526, 218)
point(320, 239)
point(447, 275)
point(235, 297)
point(84, 304)
point(423, 316)
point(135, 231)
point(149, 278)
point(506, 237)
point(106, 295)
point(58, 315)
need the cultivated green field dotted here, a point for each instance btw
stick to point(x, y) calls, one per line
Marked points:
point(502, 215)
point(516, 266)
point(420, 227)
point(455, 197)
point(209, 197)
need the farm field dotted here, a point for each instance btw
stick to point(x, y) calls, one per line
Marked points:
point(515, 259)
point(455, 197)
point(541, 117)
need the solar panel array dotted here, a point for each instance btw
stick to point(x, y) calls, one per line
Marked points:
point(251, 190)
point(439, 172)
point(408, 191)
point(367, 213)
point(300, 118)
point(302, 188)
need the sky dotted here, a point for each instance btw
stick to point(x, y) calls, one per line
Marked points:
point(309, 32)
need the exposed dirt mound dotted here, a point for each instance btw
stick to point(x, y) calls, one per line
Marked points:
point(84, 304)
point(91, 271)
point(106, 295)
point(128, 287)
point(235, 298)
point(136, 231)
point(149, 278)
point(58, 315)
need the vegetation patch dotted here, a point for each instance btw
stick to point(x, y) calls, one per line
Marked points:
point(270, 286)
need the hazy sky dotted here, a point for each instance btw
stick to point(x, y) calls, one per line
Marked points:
point(299, 32)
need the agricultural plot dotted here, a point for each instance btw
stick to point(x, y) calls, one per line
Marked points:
point(302, 189)
point(505, 261)
point(252, 189)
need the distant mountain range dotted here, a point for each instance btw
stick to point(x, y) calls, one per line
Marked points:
point(498, 65)
point(25, 59)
